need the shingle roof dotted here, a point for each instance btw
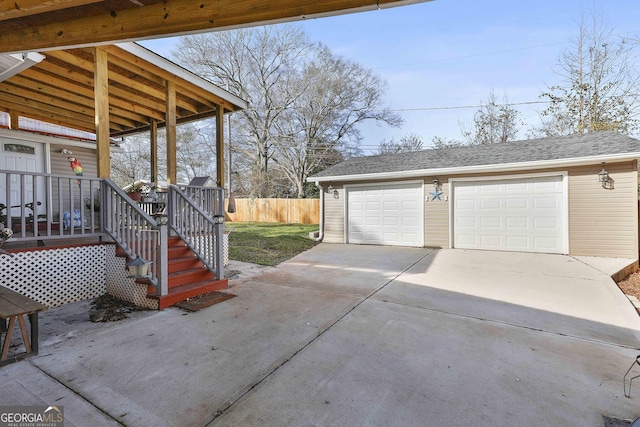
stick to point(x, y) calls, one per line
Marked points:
point(575, 146)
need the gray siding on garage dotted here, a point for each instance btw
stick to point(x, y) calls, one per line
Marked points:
point(436, 216)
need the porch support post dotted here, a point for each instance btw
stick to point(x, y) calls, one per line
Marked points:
point(170, 117)
point(13, 119)
point(218, 233)
point(163, 261)
point(101, 99)
point(220, 146)
point(154, 150)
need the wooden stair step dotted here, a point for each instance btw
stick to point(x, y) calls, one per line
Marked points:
point(184, 263)
point(190, 290)
point(192, 275)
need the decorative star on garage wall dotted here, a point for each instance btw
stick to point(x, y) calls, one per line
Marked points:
point(435, 195)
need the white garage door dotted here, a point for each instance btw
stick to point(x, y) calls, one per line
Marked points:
point(514, 215)
point(386, 214)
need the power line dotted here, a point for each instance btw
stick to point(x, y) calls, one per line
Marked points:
point(463, 107)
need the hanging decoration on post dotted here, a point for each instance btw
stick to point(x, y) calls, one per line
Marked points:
point(231, 207)
point(76, 166)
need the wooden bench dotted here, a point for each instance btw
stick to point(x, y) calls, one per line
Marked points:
point(14, 306)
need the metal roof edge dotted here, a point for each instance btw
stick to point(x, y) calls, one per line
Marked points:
point(504, 167)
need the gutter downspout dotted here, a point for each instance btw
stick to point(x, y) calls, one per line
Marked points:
point(321, 236)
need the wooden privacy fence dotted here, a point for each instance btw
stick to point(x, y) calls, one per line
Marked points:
point(284, 211)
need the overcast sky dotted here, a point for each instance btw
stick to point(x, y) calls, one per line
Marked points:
point(441, 55)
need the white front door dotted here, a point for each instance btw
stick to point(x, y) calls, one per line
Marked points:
point(385, 214)
point(21, 156)
point(526, 215)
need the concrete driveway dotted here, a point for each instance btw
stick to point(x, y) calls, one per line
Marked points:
point(357, 335)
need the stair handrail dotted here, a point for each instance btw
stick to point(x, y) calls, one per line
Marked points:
point(195, 226)
point(136, 232)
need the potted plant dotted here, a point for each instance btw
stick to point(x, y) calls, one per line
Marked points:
point(135, 190)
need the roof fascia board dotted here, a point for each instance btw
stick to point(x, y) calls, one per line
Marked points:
point(506, 167)
point(24, 61)
point(162, 62)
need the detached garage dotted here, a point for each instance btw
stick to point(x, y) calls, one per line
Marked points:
point(575, 195)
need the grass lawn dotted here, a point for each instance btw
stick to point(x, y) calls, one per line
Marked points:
point(268, 243)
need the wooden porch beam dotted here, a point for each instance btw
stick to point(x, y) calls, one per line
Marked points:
point(19, 103)
point(14, 119)
point(19, 8)
point(54, 118)
point(101, 89)
point(174, 17)
point(114, 76)
point(79, 97)
point(42, 81)
point(56, 103)
point(172, 167)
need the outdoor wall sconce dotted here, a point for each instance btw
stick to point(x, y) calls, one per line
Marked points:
point(66, 152)
point(162, 219)
point(138, 268)
point(605, 179)
point(218, 219)
point(436, 183)
point(336, 194)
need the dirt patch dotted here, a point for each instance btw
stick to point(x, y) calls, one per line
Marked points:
point(631, 285)
point(108, 308)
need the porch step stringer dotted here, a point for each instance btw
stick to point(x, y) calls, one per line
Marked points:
point(188, 277)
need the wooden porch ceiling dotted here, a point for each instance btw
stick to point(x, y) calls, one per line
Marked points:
point(30, 25)
point(60, 90)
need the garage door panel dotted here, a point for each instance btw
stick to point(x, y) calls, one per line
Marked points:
point(393, 214)
point(410, 222)
point(521, 242)
point(490, 222)
point(546, 223)
point(390, 206)
point(519, 203)
point(490, 241)
point(514, 214)
point(517, 222)
point(390, 221)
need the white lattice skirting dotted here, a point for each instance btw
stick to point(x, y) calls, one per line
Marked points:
point(57, 276)
point(120, 286)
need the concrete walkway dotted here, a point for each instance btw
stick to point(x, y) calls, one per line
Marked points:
point(355, 335)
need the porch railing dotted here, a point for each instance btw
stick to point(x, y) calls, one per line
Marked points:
point(196, 214)
point(43, 207)
point(136, 232)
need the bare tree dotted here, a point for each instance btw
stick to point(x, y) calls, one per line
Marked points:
point(254, 64)
point(333, 95)
point(599, 85)
point(409, 142)
point(195, 155)
point(493, 122)
point(304, 102)
point(439, 143)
